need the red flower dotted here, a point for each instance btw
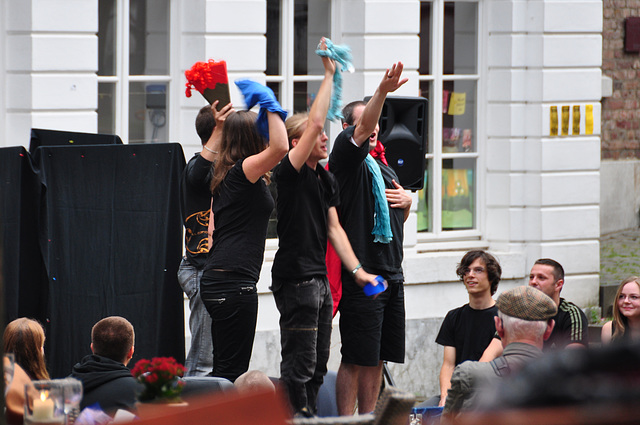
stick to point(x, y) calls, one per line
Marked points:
point(160, 376)
point(205, 75)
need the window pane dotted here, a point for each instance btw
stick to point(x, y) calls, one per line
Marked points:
point(147, 112)
point(458, 193)
point(459, 116)
point(425, 208)
point(425, 38)
point(426, 92)
point(149, 37)
point(460, 38)
point(304, 95)
point(311, 22)
point(274, 11)
point(107, 108)
point(276, 89)
point(106, 37)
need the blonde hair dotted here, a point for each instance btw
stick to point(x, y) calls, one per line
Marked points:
point(25, 338)
point(294, 126)
point(620, 322)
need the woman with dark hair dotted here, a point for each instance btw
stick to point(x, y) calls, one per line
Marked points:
point(25, 339)
point(241, 208)
point(626, 313)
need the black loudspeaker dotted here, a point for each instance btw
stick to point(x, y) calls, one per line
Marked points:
point(43, 137)
point(403, 132)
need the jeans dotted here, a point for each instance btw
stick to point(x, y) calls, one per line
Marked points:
point(200, 358)
point(306, 311)
point(233, 307)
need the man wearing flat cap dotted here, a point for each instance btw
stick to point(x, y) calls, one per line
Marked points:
point(524, 322)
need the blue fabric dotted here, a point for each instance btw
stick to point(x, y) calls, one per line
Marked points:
point(255, 93)
point(341, 55)
point(381, 222)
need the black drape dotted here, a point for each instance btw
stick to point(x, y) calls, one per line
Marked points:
point(24, 279)
point(110, 234)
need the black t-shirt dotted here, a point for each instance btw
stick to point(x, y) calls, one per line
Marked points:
point(195, 202)
point(469, 331)
point(241, 212)
point(570, 327)
point(303, 201)
point(357, 206)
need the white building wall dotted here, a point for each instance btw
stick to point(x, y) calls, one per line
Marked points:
point(543, 190)
point(541, 193)
point(50, 71)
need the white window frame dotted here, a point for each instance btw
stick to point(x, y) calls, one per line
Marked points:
point(122, 79)
point(453, 239)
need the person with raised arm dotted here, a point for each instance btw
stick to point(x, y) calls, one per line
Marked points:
point(373, 208)
point(241, 208)
point(306, 207)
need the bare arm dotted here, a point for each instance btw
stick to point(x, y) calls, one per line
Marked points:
point(369, 118)
point(448, 364)
point(317, 116)
point(493, 350)
point(212, 147)
point(343, 248)
point(257, 165)
point(398, 198)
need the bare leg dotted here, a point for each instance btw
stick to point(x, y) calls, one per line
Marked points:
point(369, 381)
point(346, 388)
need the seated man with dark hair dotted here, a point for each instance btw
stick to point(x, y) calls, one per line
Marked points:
point(104, 375)
point(524, 322)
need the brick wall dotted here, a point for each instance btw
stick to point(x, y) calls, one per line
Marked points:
point(620, 112)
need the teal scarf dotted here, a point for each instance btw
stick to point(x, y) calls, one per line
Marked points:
point(381, 223)
point(341, 55)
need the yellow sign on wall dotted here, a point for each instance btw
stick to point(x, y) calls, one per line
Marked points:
point(570, 117)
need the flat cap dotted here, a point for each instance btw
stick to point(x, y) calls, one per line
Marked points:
point(528, 303)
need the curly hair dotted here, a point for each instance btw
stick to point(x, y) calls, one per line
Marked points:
point(25, 339)
point(494, 271)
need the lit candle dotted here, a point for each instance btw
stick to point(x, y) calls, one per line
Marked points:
point(42, 407)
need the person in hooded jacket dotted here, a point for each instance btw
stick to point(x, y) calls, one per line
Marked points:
point(104, 374)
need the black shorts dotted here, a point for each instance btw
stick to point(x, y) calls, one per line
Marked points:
point(371, 329)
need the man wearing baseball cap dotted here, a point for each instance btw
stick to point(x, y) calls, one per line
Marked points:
point(524, 322)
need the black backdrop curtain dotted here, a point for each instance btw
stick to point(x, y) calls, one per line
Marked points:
point(110, 237)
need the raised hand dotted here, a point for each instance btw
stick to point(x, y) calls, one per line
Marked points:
point(391, 80)
point(329, 64)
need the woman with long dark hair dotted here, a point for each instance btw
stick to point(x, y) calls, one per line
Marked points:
point(25, 339)
point(241, 208)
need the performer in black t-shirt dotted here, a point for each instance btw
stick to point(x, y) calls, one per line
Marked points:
point(467, 331)
point(372, 330)
point(241, 208)
point(306, 206)
point(195, 206)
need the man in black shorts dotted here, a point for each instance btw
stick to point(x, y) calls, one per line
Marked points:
point(467, 331)
point(372, 329)
point(570, 330)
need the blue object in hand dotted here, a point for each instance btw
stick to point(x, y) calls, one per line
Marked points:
point(370, 289)
point(255, 93)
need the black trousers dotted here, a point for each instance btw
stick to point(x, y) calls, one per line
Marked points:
point(306, 311)
point(233, 307)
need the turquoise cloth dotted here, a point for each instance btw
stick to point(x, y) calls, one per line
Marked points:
point(255, 93)
point(381, 223)
point(341, 55)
